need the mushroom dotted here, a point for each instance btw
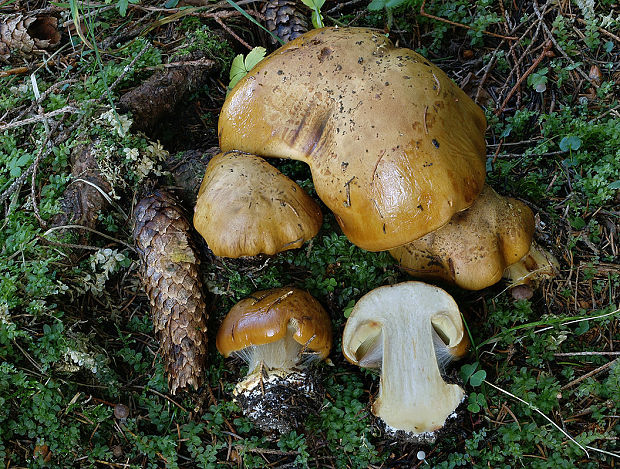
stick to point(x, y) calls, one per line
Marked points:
point(410, 331)
point(246, 206)
point(394, 146)
point(536, 264)
point(477, 246)
point(278, 332)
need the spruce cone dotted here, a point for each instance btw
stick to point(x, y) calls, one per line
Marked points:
point(22, 36)
point(172, 283)
point(284, 19)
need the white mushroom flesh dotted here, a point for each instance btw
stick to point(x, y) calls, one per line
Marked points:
point(409, 319)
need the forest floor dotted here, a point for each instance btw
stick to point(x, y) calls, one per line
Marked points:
point(114, 99)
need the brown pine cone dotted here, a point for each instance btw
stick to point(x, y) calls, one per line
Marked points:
point(283, 18)
point(22, 35)
point(172, 283)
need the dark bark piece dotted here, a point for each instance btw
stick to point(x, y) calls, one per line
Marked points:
point(22, 36)
point(172, 283)
point(283, 18)
point(187, 170)
point(159, 96)
point(82, 201)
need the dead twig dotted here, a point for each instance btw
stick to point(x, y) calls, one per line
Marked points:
point(454, 23)
point(232, 33)
point(547, 52)
point(559, 48)
point(39, 118)
point(587, 375)
point(14, 71)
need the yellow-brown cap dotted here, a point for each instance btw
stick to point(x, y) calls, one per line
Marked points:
point(475, 247)
point(247, 207)
point(394, 146)
point(265, 317)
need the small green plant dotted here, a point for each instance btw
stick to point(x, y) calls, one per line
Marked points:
point(315, 6)
point(538, 79)
point(241, 66)
point(469, 375)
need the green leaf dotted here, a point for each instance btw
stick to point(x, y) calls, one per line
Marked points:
point(615, 185)
point(477, 378)
point(577, 223)
point(237, 71)
point(237, 66)
point(240, 67)
point(122, 7)
point(376, 5)
point(313, 3)
point(317, 17)
point(474, 402)
point(349, 308)
point(394, 3)
point(256, 55)
point(468, 370)
point(571, 142)
point(171, 3)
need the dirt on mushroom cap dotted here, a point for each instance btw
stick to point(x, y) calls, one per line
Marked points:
point(395, 147)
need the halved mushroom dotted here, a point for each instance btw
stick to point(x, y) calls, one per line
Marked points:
point(278, 332)
point(409, 330)
point(246, 207)
point(394, 146)
point(474, 249)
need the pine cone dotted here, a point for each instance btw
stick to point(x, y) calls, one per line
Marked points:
point(172, 283)
point(284, 19)
point(21, 36)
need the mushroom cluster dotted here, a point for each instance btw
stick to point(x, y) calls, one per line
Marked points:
point(396, 151)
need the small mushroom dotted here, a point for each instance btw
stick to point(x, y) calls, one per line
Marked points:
point(394, 146)
point(535, 265)
point(278, 332)
point(246, 207)
point(475, 248)
point(410, 331)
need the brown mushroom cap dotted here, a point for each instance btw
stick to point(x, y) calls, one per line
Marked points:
point(476, 246)
point(394, 146)
point(246, 207)
point(266, 317)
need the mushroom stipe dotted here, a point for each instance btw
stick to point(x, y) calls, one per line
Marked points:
point(413, 327)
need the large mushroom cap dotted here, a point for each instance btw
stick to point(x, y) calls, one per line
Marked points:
point(267, 316)
point(246, 207)
point(402, 325)
point(475, 247)
point(394, 146)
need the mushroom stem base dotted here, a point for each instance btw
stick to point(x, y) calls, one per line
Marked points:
point(279, 400)
point(453, 421)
